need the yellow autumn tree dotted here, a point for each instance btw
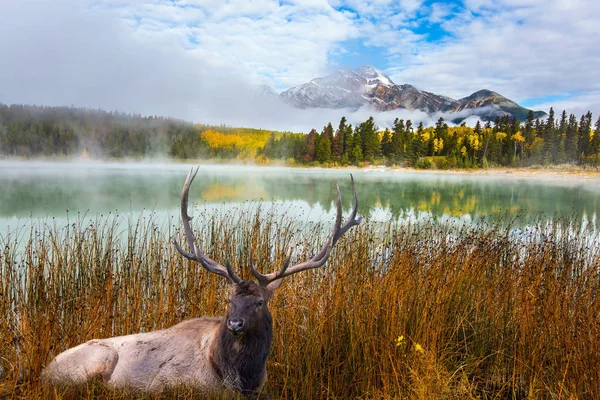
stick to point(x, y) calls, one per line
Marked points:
point(438, 145)
point(518, 140)
point(236, 142)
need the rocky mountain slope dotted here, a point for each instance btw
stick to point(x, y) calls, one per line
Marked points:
point(356, 88)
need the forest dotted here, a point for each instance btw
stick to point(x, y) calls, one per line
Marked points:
point(68, 132)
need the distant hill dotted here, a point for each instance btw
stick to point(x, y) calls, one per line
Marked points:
point(366, 85)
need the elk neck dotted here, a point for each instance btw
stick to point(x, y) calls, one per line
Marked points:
point(240, 361)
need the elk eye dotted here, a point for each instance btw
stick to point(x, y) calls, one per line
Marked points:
point(260, 303)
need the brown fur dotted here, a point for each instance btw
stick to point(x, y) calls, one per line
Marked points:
point(200, 352)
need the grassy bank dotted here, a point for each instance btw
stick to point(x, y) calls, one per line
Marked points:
point(400, 311)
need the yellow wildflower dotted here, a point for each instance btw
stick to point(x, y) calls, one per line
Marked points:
point(419, 348)
point(400, 341)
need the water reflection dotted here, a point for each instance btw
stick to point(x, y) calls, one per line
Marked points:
point(41, 190)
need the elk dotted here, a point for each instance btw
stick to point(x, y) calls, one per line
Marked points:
point(210, 353)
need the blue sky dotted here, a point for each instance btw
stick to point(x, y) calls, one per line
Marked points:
point(185, 58)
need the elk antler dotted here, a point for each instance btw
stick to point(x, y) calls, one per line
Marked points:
point(209, 264)
point(274, 279)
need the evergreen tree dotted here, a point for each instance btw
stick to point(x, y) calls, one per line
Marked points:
point(440, 136)
point(550, 139)
point(371, 147)
point(356, 154)
point(418, 145)
point(341, 130)
point(528, 131)
point(270, 148)
point(408, 138)
point(328, 131)
point(323, 151)
point(311, 147)
point(477, 129)
point(386, 144)
point(571, 139)
point(595, 142)
point(561, 136)
point(585, 126)
point(398, 139)
point(408, 133)
point(561, 155)
point(337, 146)
point(348, 144)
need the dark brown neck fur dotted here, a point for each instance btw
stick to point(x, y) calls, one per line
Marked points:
point(240, 361)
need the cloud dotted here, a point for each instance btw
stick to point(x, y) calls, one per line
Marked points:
point(578, 104)
point(74, 54)
point(280, 44)
point(521, 49)
point(199, 59)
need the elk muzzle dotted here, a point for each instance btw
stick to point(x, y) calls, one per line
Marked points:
point(237, 326)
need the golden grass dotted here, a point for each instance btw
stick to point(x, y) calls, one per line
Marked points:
point(420, 311)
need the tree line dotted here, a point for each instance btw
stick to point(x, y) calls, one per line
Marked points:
point(35, 131)
point(504, 142)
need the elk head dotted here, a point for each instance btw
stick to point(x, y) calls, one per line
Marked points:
point(248, 300)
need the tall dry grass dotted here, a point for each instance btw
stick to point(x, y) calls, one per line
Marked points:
point(423, 310)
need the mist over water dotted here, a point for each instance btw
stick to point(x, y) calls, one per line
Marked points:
point(60, 193)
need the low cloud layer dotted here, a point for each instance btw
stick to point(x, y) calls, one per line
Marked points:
point(199, 60)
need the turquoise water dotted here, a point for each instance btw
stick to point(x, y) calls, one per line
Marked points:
point(34, 191)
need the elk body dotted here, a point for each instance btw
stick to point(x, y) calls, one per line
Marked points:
point(209, 353)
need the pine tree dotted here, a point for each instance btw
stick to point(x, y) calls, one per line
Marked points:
point(356, 154)
point(270, 148)
point(418, 145)
point(328, 131)
point(595, 142)
point(348, 144)
point(550, 139)
point(337, 146)
point(561, 155)
point(561, 135)
point(371, 147)
point(571, 139)
point(341, 131)
point(585, 126)
point(398, 139)
point(386, 144)
point(323, 152)
point(528, 131)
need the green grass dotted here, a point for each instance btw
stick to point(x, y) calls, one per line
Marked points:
point(483, 313)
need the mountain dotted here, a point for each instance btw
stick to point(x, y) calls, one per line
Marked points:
point(264, 91)
point(487, 98)
point(368, 86)
point(343, 89)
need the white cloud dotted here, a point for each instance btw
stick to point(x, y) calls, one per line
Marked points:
point(277, 44)
point(198, 59)
point(578, 105)
point(521, 49)
point(439, 12)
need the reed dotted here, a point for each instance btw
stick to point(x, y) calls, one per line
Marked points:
point(402, 310)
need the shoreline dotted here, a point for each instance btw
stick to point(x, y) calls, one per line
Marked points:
point(551, 172)
point(518, 172)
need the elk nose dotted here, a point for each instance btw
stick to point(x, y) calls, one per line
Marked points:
point(235, 325)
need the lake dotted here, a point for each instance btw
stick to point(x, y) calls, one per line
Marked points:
point(33, 191)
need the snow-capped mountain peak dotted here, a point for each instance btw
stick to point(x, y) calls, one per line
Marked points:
point(374, 76)
point(345, 88)
point(355, 88)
